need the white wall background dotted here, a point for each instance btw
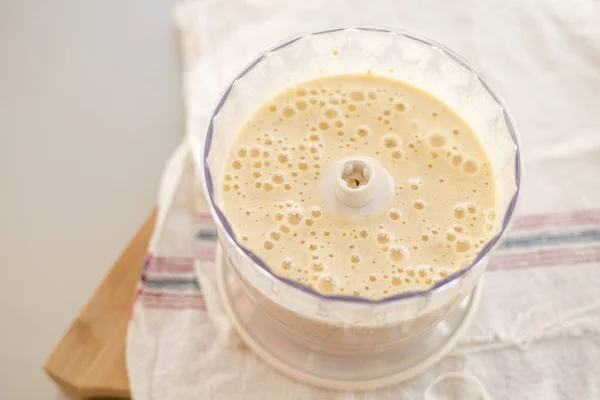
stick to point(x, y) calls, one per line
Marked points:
point(90, 109)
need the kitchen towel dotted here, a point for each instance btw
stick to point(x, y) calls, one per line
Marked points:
point(536, 334)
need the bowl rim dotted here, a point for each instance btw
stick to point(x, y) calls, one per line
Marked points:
point(201, 153)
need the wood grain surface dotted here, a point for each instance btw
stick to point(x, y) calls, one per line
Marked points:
point(89, 360)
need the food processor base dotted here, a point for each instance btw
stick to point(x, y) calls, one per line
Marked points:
point(339, 372)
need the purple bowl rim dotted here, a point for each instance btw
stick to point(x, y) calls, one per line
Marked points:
point(443, 284)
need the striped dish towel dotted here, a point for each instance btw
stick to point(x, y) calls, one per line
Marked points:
point(539, 315)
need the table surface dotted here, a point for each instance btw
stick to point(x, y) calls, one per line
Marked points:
point(90, 109)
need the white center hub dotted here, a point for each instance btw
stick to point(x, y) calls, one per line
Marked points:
point(360, 186)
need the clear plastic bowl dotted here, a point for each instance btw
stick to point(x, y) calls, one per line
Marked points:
point(346, 324)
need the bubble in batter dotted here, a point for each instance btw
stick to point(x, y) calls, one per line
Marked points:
point(330, 112)
point(328, 284)
point(397, 154)
point(363, 130)
point(288, 112)
point(278, 177)
point(457, 159)
point(415, 183)
point(391, 141)
point(400, 107)
point(470, 166)
point(463, 245)
point(459, 211)
point(287, 263)
point(357, 95)
point(398, 253)
point(301, 105)
point(255, 151)
point(294, 217)
point(316, 212)
point(275, 235)
point(395, 215)
point(383, 237)
point(437, 140)
point(419, 204)
point(315, 137)
point(317, 266)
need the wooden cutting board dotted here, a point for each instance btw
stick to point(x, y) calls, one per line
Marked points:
point(89, 360)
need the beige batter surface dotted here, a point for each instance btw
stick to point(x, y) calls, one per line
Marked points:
point(442, 210)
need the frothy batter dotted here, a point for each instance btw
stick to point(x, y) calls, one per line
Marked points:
point(441, 213)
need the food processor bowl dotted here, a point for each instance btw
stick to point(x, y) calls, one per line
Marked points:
point(328, 340)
